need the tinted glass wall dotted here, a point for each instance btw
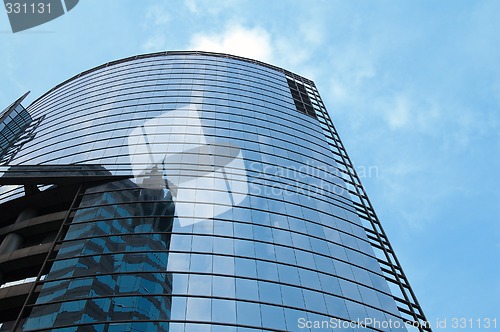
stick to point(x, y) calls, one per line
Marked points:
point(13, 123)
point(236, 218)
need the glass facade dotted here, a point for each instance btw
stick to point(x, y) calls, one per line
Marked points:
point(235, 216)
point(13, 122)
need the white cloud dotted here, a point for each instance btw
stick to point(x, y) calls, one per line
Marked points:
point(254, 43)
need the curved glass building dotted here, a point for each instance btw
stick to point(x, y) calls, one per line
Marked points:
point(189, 191)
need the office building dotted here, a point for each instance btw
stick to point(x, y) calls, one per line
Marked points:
point(189, 191)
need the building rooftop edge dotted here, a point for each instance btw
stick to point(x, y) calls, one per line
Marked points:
point(167, 53)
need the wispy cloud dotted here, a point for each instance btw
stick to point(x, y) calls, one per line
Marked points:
point(398, 114)
point(192, 6)
point(156, 42)
point(208, 7)
point(157, 15)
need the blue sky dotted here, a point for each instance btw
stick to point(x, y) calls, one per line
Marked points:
point(413, 88)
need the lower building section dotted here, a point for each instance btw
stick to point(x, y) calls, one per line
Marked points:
point(98, 253)
point(111, 264)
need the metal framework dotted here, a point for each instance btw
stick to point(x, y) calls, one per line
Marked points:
point(407, 303)
point(31, 298)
